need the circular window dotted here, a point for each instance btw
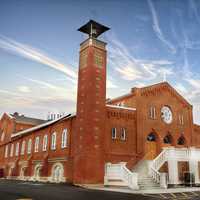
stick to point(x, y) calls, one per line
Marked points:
point(166, 114)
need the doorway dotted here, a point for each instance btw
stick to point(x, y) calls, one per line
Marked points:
point(151, 147)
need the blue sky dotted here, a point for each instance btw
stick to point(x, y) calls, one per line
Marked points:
point(149, 41)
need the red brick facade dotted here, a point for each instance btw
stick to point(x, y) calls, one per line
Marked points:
point(125, 129)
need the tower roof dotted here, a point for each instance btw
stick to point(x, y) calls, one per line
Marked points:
point(93, 29)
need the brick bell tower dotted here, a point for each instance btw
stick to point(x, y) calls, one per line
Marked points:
point(91, 98)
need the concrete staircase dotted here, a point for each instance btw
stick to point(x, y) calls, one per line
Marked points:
point(145, 182)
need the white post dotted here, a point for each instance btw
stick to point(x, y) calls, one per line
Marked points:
point(163, 180)
point(172, 166)
point(193, 164)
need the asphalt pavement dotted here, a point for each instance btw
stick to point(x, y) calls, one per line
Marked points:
point(20, 190)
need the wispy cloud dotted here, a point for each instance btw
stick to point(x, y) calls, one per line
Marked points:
point(35, 55)
point(194, 7)
point(157, 29)
point(130, 68)
point(110, 84)
point(41, 83)
point(24, 89)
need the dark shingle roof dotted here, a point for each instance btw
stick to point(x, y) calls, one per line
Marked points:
point(27, 120)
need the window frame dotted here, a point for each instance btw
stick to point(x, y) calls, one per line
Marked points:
point(53, 141)
point(152, 112)
point(17, 149)
point(114, 133)
point(22, 152)
point(37, 143)
point(29, 147)
point(64, 138)
point(181, 119)
point(123, 134)
point(6, 151)
point(45, 143)
point(12, 150)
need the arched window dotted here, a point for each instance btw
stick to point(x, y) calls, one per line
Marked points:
point(151, 137)
point(37, 172)
point(57, 172)
point(181, 140)
point(17, 149)
point(23, 147)
point(37, 141)
point(64, 139)
point(53, 141)
point(29, 146)
point(167, 139)
point(45, 142)
point(11, 150)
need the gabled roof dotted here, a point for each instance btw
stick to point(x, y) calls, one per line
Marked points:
point(151, 88)
point(20, 133)
point(26, 120)
point(164, 85)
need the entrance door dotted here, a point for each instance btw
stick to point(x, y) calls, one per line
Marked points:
point(151, 150)
point(183, 167)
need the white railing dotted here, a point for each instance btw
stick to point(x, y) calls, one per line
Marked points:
point(119, 174)
point(160, 160)
point(171, 153)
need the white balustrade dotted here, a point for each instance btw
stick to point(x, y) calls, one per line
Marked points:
point(119, 172)
point(121, 175)
point(171, 154)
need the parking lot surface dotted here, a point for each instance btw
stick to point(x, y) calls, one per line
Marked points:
point(18, 190)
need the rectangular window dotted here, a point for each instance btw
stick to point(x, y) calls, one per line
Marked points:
point(123, 134)
point(6, 151)
point(23, 147)
point(11, 150)
point(181, 121)
point(17, 149)
point(37, 141)
point(45, 142)
point(53, 141)
point(152, 112)
point(114, 133)
point(29, 146)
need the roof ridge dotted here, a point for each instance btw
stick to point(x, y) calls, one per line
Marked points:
point(41, 125)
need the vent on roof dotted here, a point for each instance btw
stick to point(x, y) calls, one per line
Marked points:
point(15, 114)
point(53, 116)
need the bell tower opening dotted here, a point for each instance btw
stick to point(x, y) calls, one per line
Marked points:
point(91, 98)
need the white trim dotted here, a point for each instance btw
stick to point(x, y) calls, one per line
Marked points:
point(55, 176)
point(37, 144)
point(53, 141)
point(45, 142)
point(17, 149)
point(64, 138)
point(120, 107)
point(23, 146)
point(12, 147)
point(9, 115)
point(41, 125)
point(29, 146)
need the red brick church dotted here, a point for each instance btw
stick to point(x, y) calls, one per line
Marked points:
point(144, 138)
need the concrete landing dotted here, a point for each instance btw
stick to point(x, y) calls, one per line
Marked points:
point(151, 191)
